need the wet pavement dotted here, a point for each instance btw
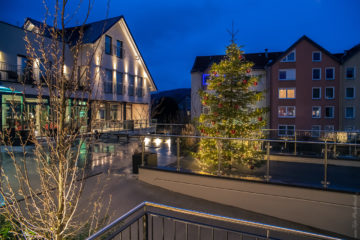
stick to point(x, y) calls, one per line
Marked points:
point(110, 163)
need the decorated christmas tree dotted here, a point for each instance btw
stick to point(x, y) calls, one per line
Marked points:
point(231, 99)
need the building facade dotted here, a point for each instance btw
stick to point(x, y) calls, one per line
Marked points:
point(304, 89)
point(350, 89)
point(120, 80)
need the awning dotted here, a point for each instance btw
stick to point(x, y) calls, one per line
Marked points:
point(8, 90)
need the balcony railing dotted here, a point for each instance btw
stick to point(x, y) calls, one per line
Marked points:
point(120, 125)
point(156, 221)
point(315, 164)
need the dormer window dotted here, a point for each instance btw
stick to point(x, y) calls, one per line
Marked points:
point(290, 57)
point(108, 45)
point(316, 56)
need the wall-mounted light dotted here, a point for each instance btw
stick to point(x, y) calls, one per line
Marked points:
point(157, 142)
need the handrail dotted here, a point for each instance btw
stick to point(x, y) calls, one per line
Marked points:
point(208, 216)
point(252, 139)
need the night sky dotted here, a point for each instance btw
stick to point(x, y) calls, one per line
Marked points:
point(171, 33)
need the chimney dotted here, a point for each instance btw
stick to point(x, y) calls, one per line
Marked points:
point(266, 52)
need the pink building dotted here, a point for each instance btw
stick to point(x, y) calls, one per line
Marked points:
point(304, 89)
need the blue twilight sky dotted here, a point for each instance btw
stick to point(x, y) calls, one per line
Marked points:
point(171, 33)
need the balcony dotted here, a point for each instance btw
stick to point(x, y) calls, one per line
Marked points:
point(8, 72)
point(156, 221)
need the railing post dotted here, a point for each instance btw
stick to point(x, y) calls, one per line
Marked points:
point(295, 145)
point(267, 177)
point(178, 154)
point(219, 157)
point(145, 227)
point(325, 183)
point(142, 150)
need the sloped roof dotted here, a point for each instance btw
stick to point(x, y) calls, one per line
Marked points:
point(259, 59)
point(92, 31)
point(304, 37)
point(351, 52)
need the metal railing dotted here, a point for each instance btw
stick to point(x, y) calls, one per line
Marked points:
point(326, 165)
point(156, 221)
point(120, 125)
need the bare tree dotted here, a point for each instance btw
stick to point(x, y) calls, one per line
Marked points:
point(46, 205)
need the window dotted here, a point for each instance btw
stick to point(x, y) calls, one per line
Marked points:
point(350, 73)
point(329, 112)
point(287, 93)
point(205, 109)
point(108, 45)
point(329, 93)
point(287, 74)
point(108, 81)
point(316, 73)
point(119, 49)
point(131, 85)
point(25, 70)
point(316, 56)
point(119, 83)
point(350, 93)
point(291, 57)
point(205, 79)
point(316, 93)
point(349, 112)
point(330, 73)
point(286, 112)
point(286, 130)
point(316, 112)
point(83, 76)
point(140, 90)
point(315, 130)
point(329, 128)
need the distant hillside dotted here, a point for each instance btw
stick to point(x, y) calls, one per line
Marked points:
point(172, 106)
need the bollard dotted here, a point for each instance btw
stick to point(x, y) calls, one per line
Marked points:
point(178, 154)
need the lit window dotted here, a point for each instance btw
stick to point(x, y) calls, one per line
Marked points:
point(205, 79)
point(287, 93)
point(286, 111)
point(316, 112)
point(329, 73)
point(108, 45)
point(350, 93)
point(349, 112)
point(329, 93)
point(350, 73)
point(316, 56)
point(316, 73)
point(316, 93)
point(329, 112)
point(290, 57)
point(287, 74)
point(315, 130)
